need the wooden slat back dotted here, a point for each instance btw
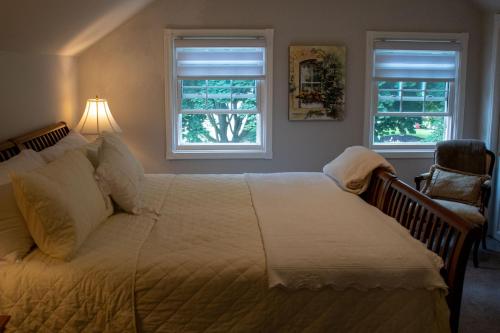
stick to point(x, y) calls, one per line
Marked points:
point(43, 138)
point(441, 230)
point(8, 150)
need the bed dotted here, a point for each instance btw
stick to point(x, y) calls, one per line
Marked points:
point(186, 265)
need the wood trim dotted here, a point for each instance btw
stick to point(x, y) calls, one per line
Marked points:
point(36, 140)
point(42, 138)
point(441, 230)
point(8, 150)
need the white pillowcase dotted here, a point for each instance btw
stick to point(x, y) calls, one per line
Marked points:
point(120, 173)
point(61, 203)
point(352, 169)
point(16, 240)
point(91, 150)
point(26, 160)
point(71, 141)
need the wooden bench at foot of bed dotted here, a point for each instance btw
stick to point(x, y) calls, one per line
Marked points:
point(441, 230)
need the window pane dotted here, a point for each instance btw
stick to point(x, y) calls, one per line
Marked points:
point(409, 130)
point(219, 95)
point(413, 93)
point(413, 106)
point(435, 106)
point(388, 85)
point(412, 96)
point(218, 103)
point(194, 82)
point(193, 104)
point(436, 94)
point(243, 83)
point(219, 92)
point(436, 85)
point(219, 83)
point(385, 94)
point(413, 85)
point(388, 106)
point(219, 128)
point(193, 92)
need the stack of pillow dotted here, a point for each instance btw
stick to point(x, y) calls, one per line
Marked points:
point(57, 197)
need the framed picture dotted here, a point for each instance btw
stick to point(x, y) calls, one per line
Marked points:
point(316, 82)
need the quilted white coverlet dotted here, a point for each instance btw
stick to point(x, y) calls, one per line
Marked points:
point(315, 235)
point(194, 262)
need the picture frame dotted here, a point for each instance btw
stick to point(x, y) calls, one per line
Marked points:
point(316, 82)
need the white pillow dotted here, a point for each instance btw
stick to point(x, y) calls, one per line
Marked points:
point(61, 203)
point(26, 160)
point(120, 173)
point(352, 169)
point(71, 141)
point(16, 240)
point(91, 150)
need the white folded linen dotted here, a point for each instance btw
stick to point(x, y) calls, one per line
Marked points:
point(317, 235)
point(353, 168)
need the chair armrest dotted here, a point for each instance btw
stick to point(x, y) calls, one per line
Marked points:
point(420, 178)
point(485, 194)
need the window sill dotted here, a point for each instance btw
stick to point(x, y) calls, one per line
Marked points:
point(406, 153)
point(218, 155)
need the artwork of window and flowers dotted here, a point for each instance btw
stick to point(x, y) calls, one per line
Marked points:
point(317, 82)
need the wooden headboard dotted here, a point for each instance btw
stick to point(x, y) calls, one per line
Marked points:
point(8, 150)
point(36, 140)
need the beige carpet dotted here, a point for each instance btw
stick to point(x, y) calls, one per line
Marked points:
point(481, 297)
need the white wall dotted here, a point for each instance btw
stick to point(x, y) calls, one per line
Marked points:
point(35, 91)
point(126, 67)
point(490, 123)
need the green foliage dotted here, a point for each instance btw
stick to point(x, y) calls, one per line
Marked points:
point(410, 129)
point(332, 85)
point(331, 91)
point(206, 95)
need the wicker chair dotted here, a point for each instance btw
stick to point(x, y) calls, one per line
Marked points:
point(469, 156)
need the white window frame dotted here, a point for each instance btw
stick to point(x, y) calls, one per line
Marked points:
point(457, 93)
point(262, 150)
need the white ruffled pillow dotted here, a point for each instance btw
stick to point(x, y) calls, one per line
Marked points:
point(352, 169)
point(119, 173)
point(61, 203)
point(16, 240)
point(71, 141)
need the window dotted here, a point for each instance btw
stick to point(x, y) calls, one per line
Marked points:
point(219, 93)
point(415, 93)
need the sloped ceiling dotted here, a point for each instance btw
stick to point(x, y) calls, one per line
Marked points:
point(64, 27)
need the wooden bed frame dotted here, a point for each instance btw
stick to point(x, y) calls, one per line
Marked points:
point(442, 231)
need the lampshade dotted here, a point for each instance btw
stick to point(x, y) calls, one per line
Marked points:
point(97, 118)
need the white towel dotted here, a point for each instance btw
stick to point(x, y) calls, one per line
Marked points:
point(353, 168)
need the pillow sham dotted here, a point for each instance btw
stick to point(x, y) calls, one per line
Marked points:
point(26, 160)
point(352, 169)
point(116, 141)
point(71, 141)
point(119, 173)
point(16, 240)
point(455, 185)
point(91, 151)
point(61, 203)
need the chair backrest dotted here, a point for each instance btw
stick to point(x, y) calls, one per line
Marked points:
point(465, 155)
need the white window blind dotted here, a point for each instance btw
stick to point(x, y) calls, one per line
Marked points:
point(421, 60)
point(220, 59)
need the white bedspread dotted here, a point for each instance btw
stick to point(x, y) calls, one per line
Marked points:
point(315, 235)
point(194, 262)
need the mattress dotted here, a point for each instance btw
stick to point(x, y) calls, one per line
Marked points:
point(194, 261)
